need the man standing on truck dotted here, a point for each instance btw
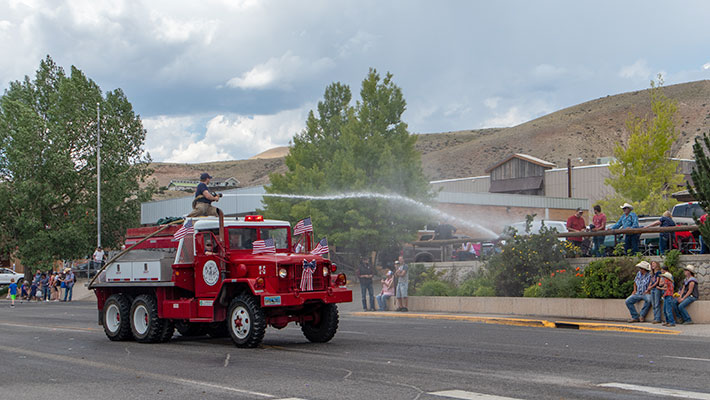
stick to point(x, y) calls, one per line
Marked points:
point(202, 204)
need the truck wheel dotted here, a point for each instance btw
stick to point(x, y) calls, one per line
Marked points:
point(326, 327)
point(145, 324)
point(116, 317)
point(189, 329)
point(246, 321)
point(218, 330)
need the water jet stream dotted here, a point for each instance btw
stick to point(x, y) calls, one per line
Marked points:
point(382, 196)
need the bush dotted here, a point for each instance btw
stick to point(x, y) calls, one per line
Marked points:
point(610, 278)
point(524, 259)
point(477, 285)
point(562, 283)
point(418, 274)
point(532, 291)
point(435, 288)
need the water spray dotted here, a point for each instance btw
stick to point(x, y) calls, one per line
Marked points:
point(382, 196)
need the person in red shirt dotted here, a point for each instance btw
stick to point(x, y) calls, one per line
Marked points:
point(576, 223)
point(599, 222)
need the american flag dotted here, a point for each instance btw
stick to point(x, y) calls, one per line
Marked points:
point(307, 275)
point(263, 246)
point(186, 229)
point(303, 226)
point(321, 248)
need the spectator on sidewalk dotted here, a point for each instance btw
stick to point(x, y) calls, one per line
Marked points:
point(387, 291)
point(402, 274)
point(576, 223)
point(69, 281)
point(44, 282)
point(668, 300)
point(688, 294)
point(655, 291)
point(598, 224)
point(627, 221)
point(33, 290)
point(365, 273)
point(55, 286)
point(13, 292)
point(641, 283)
point(24, 290)
point(664, 238)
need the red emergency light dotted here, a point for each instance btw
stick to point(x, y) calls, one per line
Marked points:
point(254, 218)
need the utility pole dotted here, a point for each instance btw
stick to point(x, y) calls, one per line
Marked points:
point(569, 178)
point(98, 175)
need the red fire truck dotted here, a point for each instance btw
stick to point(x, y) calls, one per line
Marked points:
point(211, 282)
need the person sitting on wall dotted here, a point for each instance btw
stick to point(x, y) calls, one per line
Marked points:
point(629, 220)
point(688, 294)
point(202, 204)
point(641, 283)
point(387, 291)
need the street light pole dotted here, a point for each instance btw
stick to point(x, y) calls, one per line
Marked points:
point(98, 175)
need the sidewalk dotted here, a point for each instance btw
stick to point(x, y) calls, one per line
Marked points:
point(355, 309)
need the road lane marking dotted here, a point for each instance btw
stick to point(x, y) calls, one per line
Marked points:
point(683, 394)
point(50, 328)
point(689, 358)
point(129, 371)
point(464, 395)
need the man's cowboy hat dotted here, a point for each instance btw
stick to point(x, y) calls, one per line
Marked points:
point(627, 205)
point(690, 268)
point(644, 265)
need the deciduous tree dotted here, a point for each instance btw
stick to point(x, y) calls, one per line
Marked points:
point(355, 148)
point(48, 144)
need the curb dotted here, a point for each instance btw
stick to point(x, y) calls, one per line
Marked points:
point(535, 323)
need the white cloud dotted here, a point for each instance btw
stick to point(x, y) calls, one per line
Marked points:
point(280, 72)
point(360, 43)
point(637, 71)
point(223, 137)
point(491, 102)
point(547, 71)
point(517, 115)
point(706, 66)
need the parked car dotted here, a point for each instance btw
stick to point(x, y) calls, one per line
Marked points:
point(6, 274)
point(559, 226)
point(683, 213)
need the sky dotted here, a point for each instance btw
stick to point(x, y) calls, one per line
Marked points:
point(227, 79)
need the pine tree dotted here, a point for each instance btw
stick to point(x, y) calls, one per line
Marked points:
point(700, 189)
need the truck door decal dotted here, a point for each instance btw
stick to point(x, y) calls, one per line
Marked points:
point(210, 273)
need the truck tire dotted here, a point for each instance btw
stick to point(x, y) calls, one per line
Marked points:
point(246, 321)
point(326, 327)
point(145, 324)
point(190, 329)
point(117, 317)
point(218, 330)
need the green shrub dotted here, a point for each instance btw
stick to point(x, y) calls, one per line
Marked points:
point(435, 288)
point(671, 258)
point(418, 274)
point(479, 284)
point(525, 258)
point(532, 291)
point(610, 278)
point(562, 283)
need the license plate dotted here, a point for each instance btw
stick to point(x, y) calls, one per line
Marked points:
point(272, 300)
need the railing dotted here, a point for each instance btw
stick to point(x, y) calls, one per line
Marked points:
point(631, 231)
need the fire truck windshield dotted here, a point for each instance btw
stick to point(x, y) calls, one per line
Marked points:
point(280, 236)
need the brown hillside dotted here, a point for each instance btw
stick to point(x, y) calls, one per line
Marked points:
point(588, 130)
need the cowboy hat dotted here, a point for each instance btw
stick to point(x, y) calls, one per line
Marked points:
point(627, 205)
point(644, 265)
point(690, 268)
point(667, 275)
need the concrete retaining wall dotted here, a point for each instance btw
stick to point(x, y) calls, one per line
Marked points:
point(596, 309)
point(459, 269)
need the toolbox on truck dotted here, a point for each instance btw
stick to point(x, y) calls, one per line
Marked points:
point(141, 266)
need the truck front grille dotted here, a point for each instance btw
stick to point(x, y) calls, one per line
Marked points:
point(293, 283)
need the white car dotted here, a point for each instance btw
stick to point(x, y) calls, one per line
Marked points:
point(6, 274)
point(559, 226)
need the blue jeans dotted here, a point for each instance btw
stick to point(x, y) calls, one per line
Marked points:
point(45, 293)
point(598, 243)
point(631, 243)
point(664, 244)
point(68, 292)
point(656, 295)
point(668, 303)
point(680, 308)
point(364, 288)
point(635, 298)
point(703, 247)
point(382, 301)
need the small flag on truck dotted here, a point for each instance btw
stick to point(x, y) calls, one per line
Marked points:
point(321, 248)
point(263, 246)
point(303, 226)
point(186, 229)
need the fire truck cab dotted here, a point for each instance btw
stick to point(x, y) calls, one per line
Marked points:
point(209, 281)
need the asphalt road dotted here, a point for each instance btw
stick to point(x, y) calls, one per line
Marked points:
point(57, 351)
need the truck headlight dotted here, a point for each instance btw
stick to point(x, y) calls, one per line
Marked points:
point(283, 273)
point(325, 271)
